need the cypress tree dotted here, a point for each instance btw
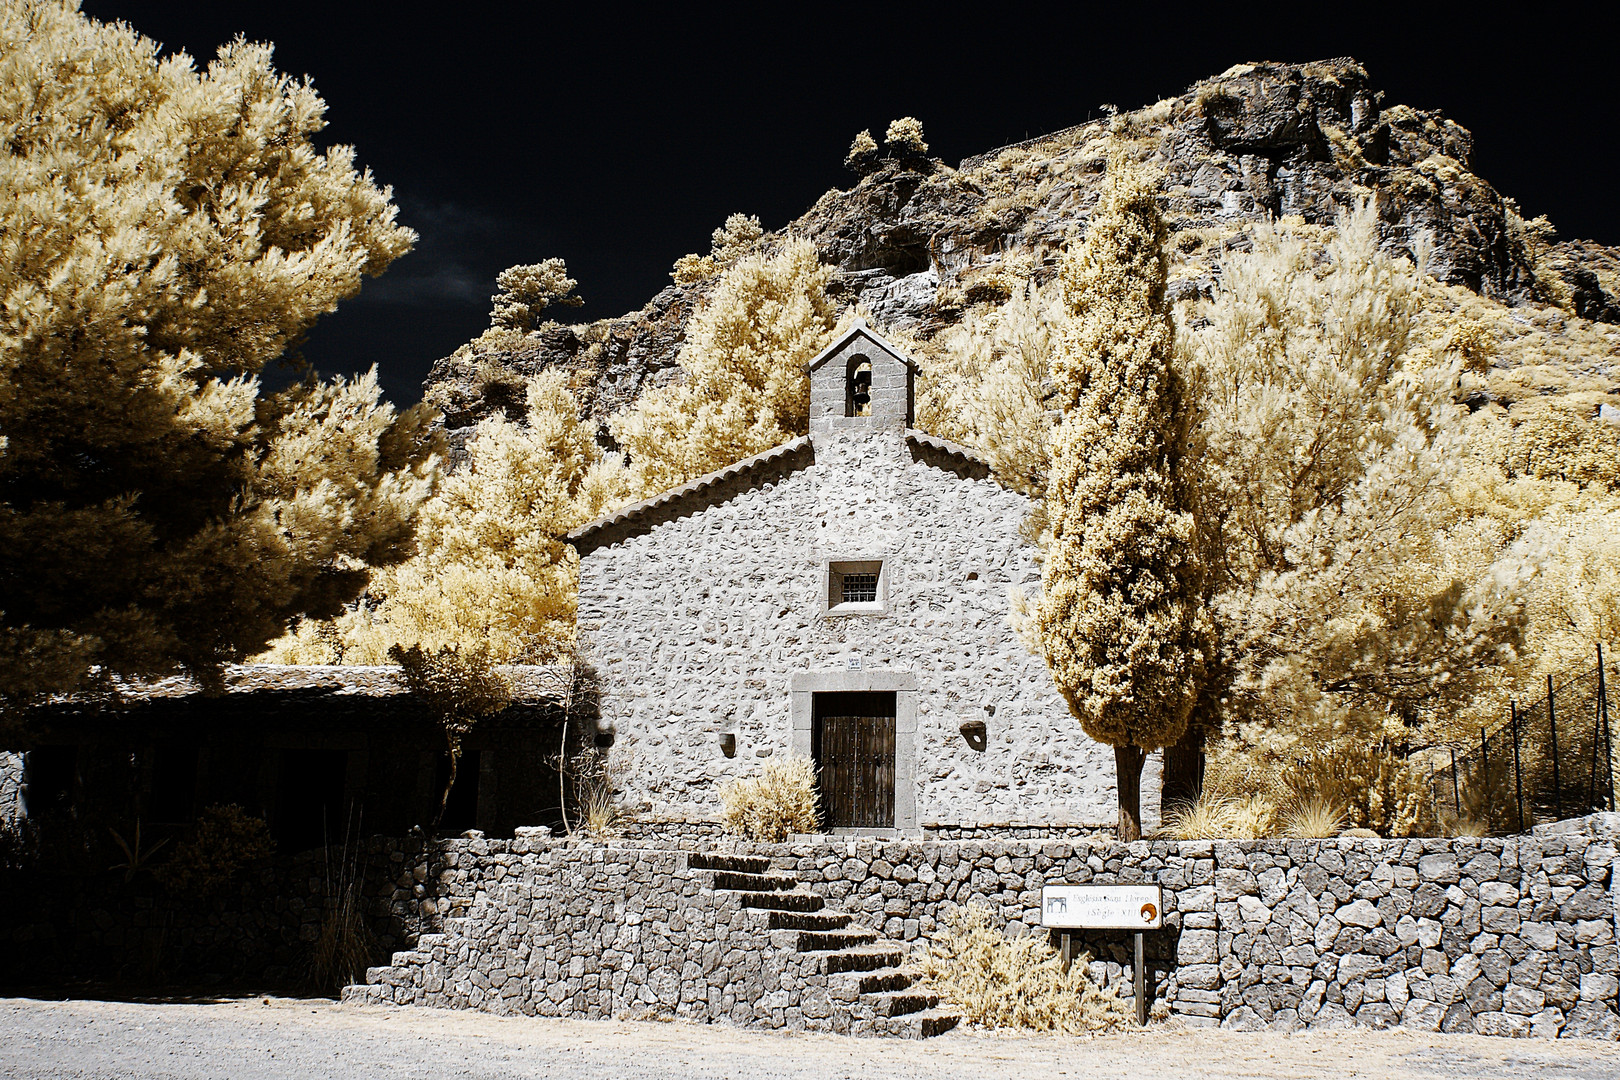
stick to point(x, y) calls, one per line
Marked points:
point(1120, 581)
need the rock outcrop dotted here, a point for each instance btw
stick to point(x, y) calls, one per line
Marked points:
point(919, 243)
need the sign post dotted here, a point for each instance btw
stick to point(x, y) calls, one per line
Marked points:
point(1137, 908)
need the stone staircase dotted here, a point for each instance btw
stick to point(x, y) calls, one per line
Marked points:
point(845, 978)
point(871, 990)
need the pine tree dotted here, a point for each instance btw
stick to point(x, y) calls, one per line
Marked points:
point(1118, 605)
point(165, 233)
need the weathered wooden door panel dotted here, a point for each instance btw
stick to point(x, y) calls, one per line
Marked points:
point(854, 749)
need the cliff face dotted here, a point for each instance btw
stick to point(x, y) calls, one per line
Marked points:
point(919, 243)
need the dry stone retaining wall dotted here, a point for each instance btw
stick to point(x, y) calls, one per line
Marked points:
point(1504, 936)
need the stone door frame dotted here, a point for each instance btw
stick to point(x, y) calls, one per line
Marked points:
point(804, 684)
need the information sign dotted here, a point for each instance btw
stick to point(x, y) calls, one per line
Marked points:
point(1102, 907)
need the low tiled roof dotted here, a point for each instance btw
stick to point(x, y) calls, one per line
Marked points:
point(704, 491)
point(967, 457)
point(530, 682)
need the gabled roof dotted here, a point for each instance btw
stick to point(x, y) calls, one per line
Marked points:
point(860, 329)
point(722, 484)
point(707, 490)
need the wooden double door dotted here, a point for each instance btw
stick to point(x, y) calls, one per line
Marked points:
point(852, 740)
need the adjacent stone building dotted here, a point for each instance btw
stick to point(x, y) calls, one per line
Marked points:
point(844, 596)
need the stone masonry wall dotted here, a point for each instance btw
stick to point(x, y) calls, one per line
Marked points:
point(11, 786)
point(697, 625)
point(1503, 936)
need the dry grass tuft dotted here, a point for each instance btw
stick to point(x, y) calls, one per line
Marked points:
point(1316, 818)
point(769, 806)
point(1468, 827)
point(1014, 982)
point(1219, 817)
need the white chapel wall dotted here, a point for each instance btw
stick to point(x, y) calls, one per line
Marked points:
point(697, 624)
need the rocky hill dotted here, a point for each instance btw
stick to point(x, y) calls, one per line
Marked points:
point(920, 243)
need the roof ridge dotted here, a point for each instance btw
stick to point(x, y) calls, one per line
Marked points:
point(625, 514)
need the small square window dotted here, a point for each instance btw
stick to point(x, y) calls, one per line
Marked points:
point(856, 587)
point(860, 588)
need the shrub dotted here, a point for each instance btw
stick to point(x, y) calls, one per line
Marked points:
point(226, 841)
point(862, 156)
point(1316, 818)
point(780, 800)
point(1014, 982)
point(905, 136)
point(1215, 816)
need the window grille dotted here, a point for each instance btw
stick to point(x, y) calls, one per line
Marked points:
point(860, 588)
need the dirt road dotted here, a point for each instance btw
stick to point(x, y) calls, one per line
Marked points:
point(284, 1039)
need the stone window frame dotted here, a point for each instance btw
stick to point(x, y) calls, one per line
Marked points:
point(804, 685)
point(832, 566)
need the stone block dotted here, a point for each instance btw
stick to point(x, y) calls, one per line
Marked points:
point(1196, 947)
point(1599, 986)
point(1502, 1024)
point(1522, 1000)
point(1421, 1015)
point(1360, 913)
point(1592, 1020)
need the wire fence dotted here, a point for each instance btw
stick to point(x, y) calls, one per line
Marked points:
point(1551, 759)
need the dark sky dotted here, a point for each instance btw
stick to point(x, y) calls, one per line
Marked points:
point(618, 136)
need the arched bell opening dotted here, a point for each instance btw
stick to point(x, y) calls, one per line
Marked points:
point(858, 387)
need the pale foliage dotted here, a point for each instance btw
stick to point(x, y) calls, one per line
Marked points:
point(727, 244)
point(1001, 982)
point(746, 360)
point(164, 234)
point(1354, 595)
point(491, 568)
point(779, 800)
point(1119, 583)
point(526, 291)
point(986, 383)
point(862, 152)
point(904, 135)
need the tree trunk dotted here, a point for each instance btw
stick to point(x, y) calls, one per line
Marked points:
point(450, 782)
point(1128, 778)
point(1184, 768)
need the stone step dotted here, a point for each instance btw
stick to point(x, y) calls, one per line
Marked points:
point(807, 920)
point(918, 1025)
point(848, 986)
point(822, 940)
point(738, 864)
point(427, 942)
point(738, 882)
point(375, 975)
point(783, 901)
point(901, 1002)
point(871, 958)
point(407, 957)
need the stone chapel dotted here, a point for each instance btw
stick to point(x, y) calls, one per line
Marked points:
point(843, 596)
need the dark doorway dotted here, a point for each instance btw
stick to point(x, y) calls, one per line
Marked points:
point(49, 774)
point(461, 808)
point(852, 741)
point(174, 783)
point(309, 799)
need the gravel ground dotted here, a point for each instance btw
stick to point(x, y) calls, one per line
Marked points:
point(285, 1038)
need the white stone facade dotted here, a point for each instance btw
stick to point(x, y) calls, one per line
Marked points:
point(707, 609)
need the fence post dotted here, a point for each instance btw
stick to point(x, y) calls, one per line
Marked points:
point(1485, 767)
point(1552, 727)
point(1518, 770)
point(1603, 710)
point(1456, 791)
